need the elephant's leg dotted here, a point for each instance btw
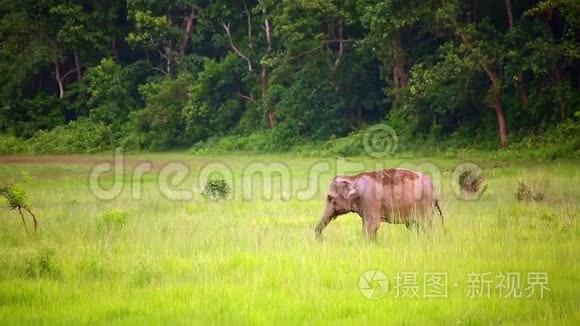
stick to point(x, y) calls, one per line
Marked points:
point(426, 223)
point(371, 226)
point(363, 231)
point(412, 226)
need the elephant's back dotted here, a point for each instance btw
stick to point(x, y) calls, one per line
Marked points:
point(408, 195)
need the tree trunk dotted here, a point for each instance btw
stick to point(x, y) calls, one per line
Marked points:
point(78, 65)
point(558, 83)
point(114, 48)
point(189, 23)
point(340, 46)
point(521, 82)
point(399, 76)
point(502, 129)
point(264, 75)
point(508, 6)
point(522, 89)
point(500, 118)
point(59, 79)
point(264, 84)
point(496, 89)
point(235, 48)
point(168, 53)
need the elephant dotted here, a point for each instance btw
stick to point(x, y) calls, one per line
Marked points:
point(397, 196)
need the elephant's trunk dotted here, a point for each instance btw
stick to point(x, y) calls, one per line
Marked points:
point(324, 220)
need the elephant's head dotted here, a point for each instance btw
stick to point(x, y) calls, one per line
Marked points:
point(341, 199)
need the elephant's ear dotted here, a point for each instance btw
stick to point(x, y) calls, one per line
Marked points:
point(346, 188)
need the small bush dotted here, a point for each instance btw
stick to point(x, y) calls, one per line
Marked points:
point(42, 263)
point(145, 273)
point(17, 200)
point(15, 195)
point(259, 141)
point(94, 266)
point(11, 145)
point(81, 136)
point(113, 220)
point(529, 192)
point(472, 184)
point(216, 189)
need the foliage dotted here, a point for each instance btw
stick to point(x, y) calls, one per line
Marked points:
point(529, 192)
point(214, 106)
point(23, 117)
point(173, 74)
point(160, 125)
point(259, 258)
point(11, 144)
point(108, 88)
point(216, 189)
point(113, 219)
point(563, 141)
point(81, 136)
point(256, 142)
point(17, 200)
point(43, 263)
point(15, 195)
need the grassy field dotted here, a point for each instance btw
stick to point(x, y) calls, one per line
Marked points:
point(257, 261)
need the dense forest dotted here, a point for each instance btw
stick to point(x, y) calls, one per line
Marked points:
point(269, 75)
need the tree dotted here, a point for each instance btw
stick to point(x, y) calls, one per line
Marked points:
point(172, 73)
point(17, 199)
point(164, 27)
point(520, 80)
point(256, 53)
point(484, 52)
point(390, 26)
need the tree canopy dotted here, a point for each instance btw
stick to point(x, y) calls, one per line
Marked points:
point(164, 74)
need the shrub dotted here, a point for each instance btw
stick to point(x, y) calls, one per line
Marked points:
point(260, 141)
point(529, 192)
point(94, 266)
point(561, 141)
point(160, 125)
point(15, 196)
point(81, 136)
point(42, 263)
point(10, 145)
point(113, 220)
point(17, 200)
point(213, 104)
point(108, 86)
point(472, 185)
point(216, 189)
point(144, 273)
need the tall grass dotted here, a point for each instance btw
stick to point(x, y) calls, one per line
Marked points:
point(258, 262)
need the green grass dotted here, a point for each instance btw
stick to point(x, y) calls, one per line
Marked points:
point(257, 261)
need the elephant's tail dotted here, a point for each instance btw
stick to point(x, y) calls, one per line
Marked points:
point(440, 214)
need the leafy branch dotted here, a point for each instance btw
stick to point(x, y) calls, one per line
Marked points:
point(17, 200)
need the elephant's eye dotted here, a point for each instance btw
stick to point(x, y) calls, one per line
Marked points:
point(328, 198)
